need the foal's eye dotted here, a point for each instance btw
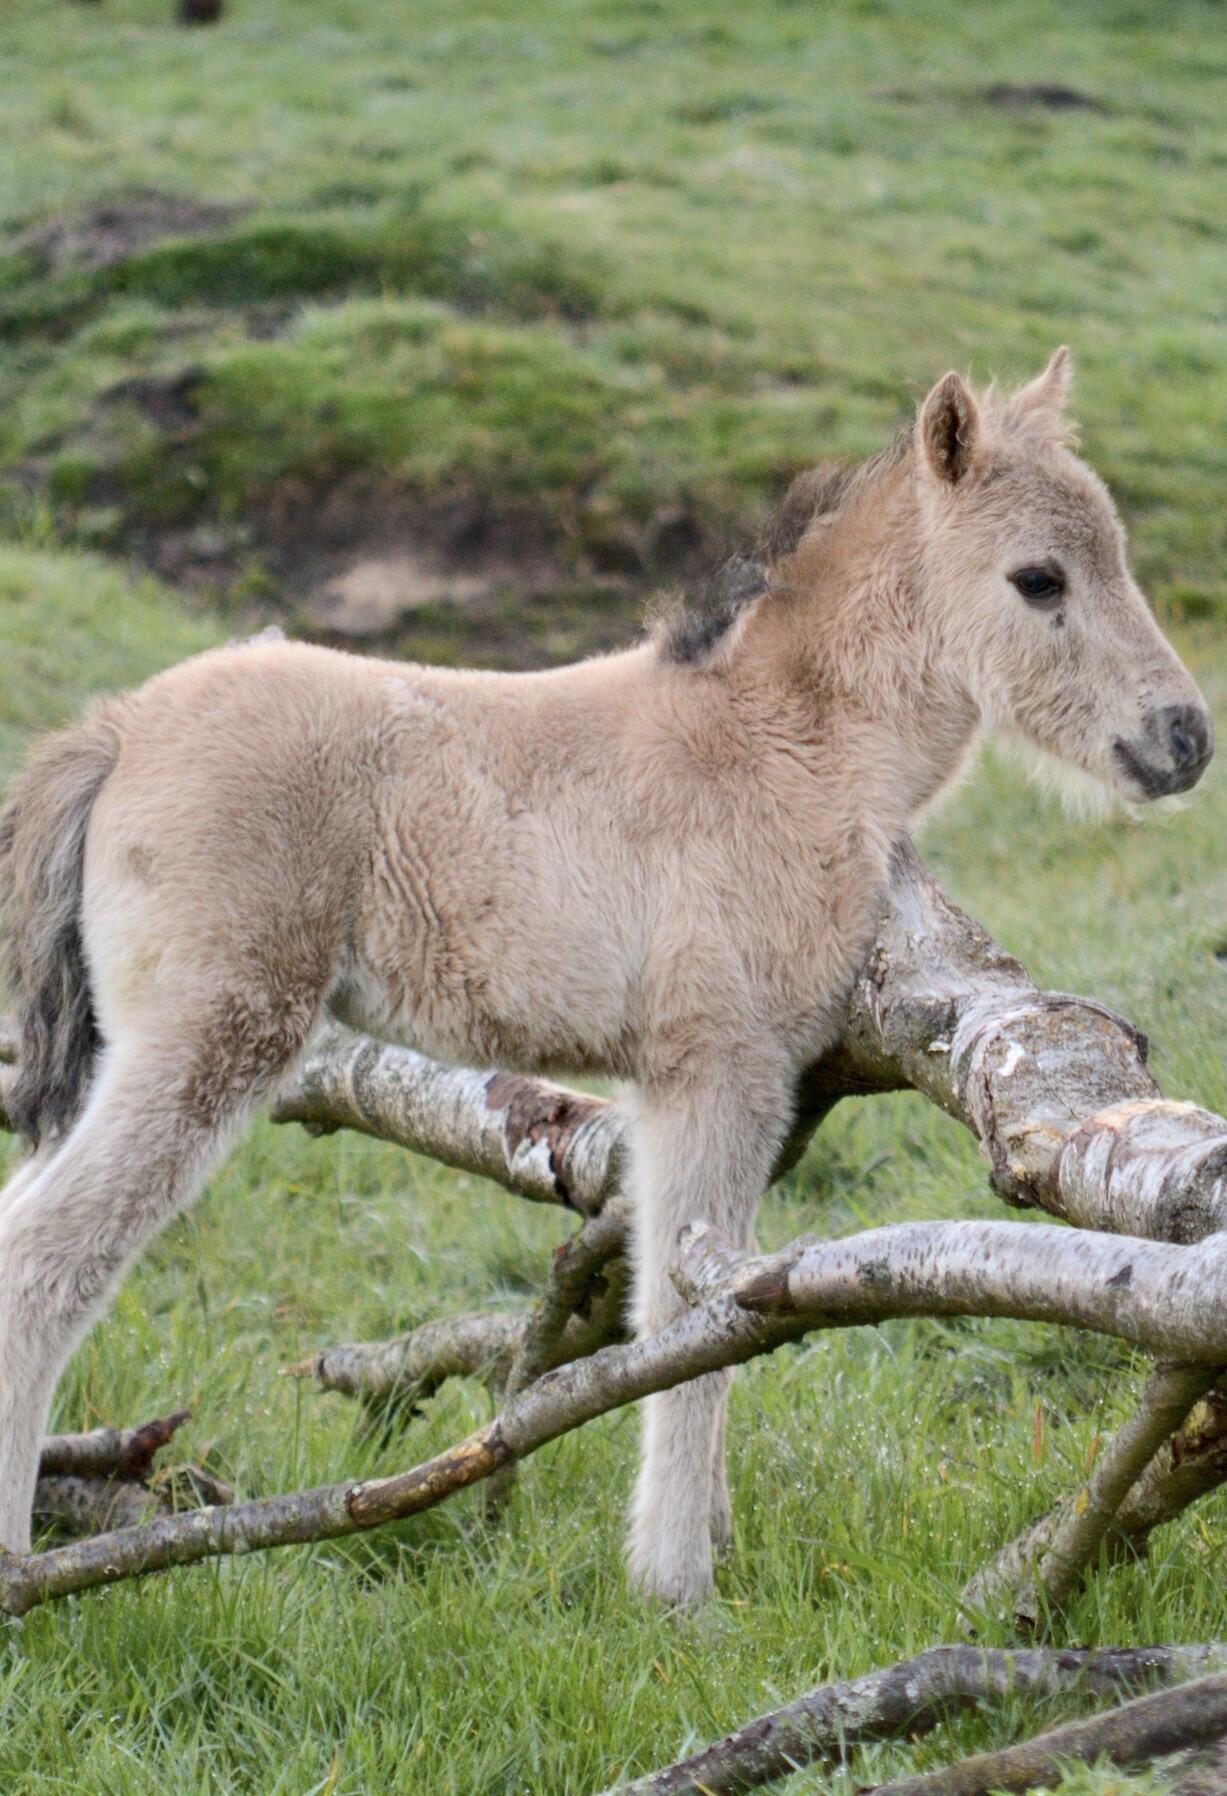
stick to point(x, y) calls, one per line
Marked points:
point(1040, 586)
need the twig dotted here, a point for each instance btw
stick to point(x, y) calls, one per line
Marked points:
point(569, 1292)
point(415, 1365)
point(906, 1700)
point(581, 1308)
point(1135, 1734)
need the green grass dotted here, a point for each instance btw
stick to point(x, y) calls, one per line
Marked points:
point(618, 262)
point(602, 262)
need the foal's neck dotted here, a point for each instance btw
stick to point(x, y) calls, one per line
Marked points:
point(844, 650)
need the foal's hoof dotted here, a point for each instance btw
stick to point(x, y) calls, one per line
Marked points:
point(682, 1583)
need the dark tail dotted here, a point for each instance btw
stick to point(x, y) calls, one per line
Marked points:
point(42, 855)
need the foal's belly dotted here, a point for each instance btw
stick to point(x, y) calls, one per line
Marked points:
point(477, 950)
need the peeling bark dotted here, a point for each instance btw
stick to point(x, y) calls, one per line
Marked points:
point(905, 1700)
point(109, 1452)
point(1055, 1087)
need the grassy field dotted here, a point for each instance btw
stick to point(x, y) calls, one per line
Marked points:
point(512, 312)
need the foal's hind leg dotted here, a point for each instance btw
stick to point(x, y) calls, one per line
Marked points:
point(161, 1112)
point(704, 1151)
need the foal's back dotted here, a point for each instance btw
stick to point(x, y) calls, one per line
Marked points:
point(468, 860)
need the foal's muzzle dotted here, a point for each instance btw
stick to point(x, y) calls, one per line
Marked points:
point(1171, 754)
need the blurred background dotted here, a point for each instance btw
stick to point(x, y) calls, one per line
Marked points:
point(456, 332)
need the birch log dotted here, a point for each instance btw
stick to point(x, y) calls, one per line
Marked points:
point(543, 1141)
point(1055, 1087)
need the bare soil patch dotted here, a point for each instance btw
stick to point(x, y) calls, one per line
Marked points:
point(1046, 96)
point(105, 234)
point(465, 577)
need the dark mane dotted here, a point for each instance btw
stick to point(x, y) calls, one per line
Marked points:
point(688, 627)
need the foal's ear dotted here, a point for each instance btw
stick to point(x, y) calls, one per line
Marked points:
point(1043, 399)
point(949, 426)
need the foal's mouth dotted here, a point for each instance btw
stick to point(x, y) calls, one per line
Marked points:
point(1190, 744)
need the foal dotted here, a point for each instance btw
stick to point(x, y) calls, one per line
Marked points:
point(663, 865)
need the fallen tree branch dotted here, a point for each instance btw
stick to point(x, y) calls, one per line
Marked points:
point(1170, 1300)
point(719, 1333)
point(546, 1143)
point(109, 1452)
point(582, 1308)
point(1044, 1565)
point(905, 1700)
point(1055, 1087)
point(577, 1313)
point(1135, 1734)
point(579, 1290)
point(413, 1366)
point(1188, 1465)
point(1139, 1290)
point(96, 1482)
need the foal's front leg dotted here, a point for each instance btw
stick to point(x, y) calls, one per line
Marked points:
point(703, 1150)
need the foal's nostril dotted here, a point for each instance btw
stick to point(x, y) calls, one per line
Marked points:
point(1189, 737)
point(1184, 730)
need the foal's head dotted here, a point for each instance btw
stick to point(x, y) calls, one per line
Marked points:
point(1027, 588)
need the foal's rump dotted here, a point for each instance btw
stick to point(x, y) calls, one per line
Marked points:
point(177, 871)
